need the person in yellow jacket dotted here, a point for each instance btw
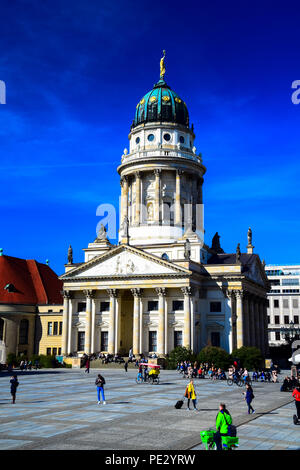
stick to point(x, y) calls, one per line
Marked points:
point(190, 394)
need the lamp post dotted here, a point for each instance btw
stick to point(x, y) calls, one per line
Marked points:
point(291, 332)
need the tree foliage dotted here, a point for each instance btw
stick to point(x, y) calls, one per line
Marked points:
point(180, 353)
point(249, 357)
point(214, 355)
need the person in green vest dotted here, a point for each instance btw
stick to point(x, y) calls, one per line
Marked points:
point(223, 425)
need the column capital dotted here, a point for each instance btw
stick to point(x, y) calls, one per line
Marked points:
point(161, 291)
point(112, 292)
point(123, 180)
point(186, 290)
point(239, 294)
point(157, 171)
point(230, 293)
point(89, 293)
point(136, 292)
point(137, 175)
point(66, 294)
point(179, 172)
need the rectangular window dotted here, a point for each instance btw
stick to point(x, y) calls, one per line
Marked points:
point(152, 341)
point(276, 303)
point(152, 305)
point(104, 341)
point(215, 338)
point(60, 327)
point(23, 334)
point(276, 319)
point(55, 328)
point(285, 303)
point(275, 282)
point(177, 305)
point(177, 338)
point(49, 328)
point(290, 282)
point(277, 335)
point(286, 319)
point(268, 319)
point(54, 351)
point(215, 306)
point(81, 340)
point(81, 306)
point(296, 319)
point(59, 351)
point(48, 351)
point(295, 303)
point(104, 306)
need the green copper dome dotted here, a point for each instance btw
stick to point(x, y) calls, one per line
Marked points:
point(161, 104)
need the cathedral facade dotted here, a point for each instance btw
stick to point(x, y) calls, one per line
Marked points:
point(161, 286)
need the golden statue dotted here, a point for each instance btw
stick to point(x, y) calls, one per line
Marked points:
point(162, 66)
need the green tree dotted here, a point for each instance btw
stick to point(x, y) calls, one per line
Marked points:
point(180, 353)
point(213, 355)
point(249, 357)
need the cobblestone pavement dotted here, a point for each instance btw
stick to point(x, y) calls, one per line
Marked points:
point(57, 409)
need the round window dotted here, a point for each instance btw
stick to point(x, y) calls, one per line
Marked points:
point(181, 139)
point(167, 137)
point(151, 137)
point(137, 140)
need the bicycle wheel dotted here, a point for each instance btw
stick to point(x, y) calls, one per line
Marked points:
point(240, 383)
point(229, 382)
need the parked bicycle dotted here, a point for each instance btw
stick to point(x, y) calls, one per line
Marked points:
point(228, 442)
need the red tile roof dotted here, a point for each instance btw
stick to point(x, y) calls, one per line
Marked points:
point(34, 283)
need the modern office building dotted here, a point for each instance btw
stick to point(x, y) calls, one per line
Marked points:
point(283, 302)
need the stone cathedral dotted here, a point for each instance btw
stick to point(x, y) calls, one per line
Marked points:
point(161, 286)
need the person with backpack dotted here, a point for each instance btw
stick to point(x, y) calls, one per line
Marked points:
point(13, 387)
point(249, 395)
point(100, 382)
point(223, 425)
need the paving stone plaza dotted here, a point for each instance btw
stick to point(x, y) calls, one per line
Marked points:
point(58, 410)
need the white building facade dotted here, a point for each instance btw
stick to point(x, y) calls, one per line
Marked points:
point(283, 301)
point(162, 286)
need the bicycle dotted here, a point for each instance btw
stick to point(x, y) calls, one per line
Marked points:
point(228, 442)
point(238, 382)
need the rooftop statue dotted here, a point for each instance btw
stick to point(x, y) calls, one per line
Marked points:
point(70, 255)
point(249, 236)
point(162, 66)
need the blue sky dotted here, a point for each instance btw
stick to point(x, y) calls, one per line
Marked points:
point(74, 72)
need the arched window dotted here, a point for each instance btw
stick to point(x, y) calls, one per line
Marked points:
point(23, 335)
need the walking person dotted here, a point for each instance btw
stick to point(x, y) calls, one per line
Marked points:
point(190, 394)
point(87, 365)
point(296, 396)
point(249, 395)
point(126, 366)
point(13, 387)
point(100, 382)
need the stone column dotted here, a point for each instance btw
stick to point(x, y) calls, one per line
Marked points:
point(88, 321)
point(93, 325)
point(161, 292)
point(117, 326)
point(141, 333)
point(112, 320)
point(124, 197)
point(64, 345)
point(192, 323)
point(230, 297)
point(136, 320)
point(166, 326)
point(252, 322)
point(157, 196)
point(137, 198)
point(178, 217)
point(11, 337)
point(239, 319)
point(246, 322)
point(71, 308)
point(187, 317)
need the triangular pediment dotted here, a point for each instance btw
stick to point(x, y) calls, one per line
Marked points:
point(256, 273)
point(124, 261)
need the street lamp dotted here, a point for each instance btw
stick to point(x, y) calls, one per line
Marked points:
point(291, 332)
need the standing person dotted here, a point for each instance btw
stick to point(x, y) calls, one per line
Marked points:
point(223, 425)
point(296, 395)
point(190, 394)
point(100, 382)
point(13, 387)
point(87, 365)
point(126, 366)
point(249, 395)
